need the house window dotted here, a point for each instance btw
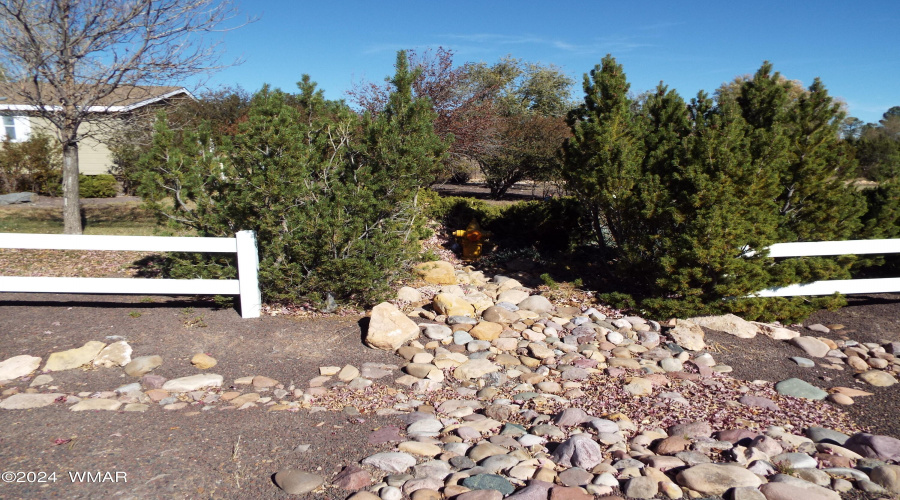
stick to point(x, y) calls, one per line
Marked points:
point(15, 128)
point(9, 127)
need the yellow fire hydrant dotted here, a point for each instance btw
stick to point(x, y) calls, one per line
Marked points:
point(472, 240)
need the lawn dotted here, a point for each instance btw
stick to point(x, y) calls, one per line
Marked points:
point(117, 219)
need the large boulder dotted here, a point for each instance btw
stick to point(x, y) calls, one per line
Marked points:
point(874, 446)
point(437, 273)
point(13, 198)
point(688, 335)
point(728, 323)
point(389, 328)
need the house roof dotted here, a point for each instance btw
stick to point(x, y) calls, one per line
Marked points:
point(122, 98)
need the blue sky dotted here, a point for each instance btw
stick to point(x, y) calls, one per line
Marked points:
point(854, 47)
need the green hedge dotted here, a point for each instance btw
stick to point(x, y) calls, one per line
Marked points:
point(97, 186)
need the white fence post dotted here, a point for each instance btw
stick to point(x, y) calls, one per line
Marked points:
point(248, 274)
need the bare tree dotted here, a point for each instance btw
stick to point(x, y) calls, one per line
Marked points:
point(75, 60)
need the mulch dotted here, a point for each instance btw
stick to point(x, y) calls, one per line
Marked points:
point(234, 453)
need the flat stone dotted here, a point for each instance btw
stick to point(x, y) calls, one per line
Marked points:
point(394, 462)
point(419, 448)
point(41, 380)
point(136, 407)
point(474, 369)
point(803, 362)
point(348, 373)
point(96, 404)
point(816, 327)
point(811, 346)
point(799, 389)
point(691, 430)
point(18, 366)
point(775, 332)
point(489, 482)
point(142, 364)
point(878, 378)
point(795, 491)
point(480, 495)
point(389, 328)
point(758, 402)
point(486, 330)
point(193, 382)
point(713, 479)
point(73, 358)
point(352, 478)
point(638, 386)
point(26, 401)
point(297, 482)
point(795, 460)
point(575, 476)
point(261, 382)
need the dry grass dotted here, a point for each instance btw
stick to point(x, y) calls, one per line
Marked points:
point(116, 219)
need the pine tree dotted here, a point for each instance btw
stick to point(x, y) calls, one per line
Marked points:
point(603, 158)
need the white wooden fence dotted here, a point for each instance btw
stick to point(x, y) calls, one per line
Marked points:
point(822, 248)
point(243, 244)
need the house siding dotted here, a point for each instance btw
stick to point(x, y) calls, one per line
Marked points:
point(94, 157)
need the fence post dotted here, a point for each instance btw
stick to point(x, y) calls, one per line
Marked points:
point(248, 274)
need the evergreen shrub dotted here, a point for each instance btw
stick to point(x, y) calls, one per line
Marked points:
point(333, 197)
point(97, 186)
point(679, 195)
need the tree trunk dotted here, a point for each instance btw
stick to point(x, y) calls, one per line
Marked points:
point(71, 198)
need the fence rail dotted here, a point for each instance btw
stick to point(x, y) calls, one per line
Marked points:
point(829, 287)
point(243, 244)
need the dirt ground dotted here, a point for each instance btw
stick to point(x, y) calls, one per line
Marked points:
point(226, 453)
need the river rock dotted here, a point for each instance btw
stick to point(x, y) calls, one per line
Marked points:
point(437, 272)
point(489, 482)
point(73, 358)
point(874, 446)
point(811, 346)
point(499, 314)
point(393, 462)
point(452, 305)
point(878, 378)
point(578, 451)
point(474, 368)
point(887, 476)
point(486, 330)
point(203, 361)
point(297, 482)
point(794, 491)
point(18, 366)
point(714, 479)
point(143, 364)
point(389, 328)
point(536, 303)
